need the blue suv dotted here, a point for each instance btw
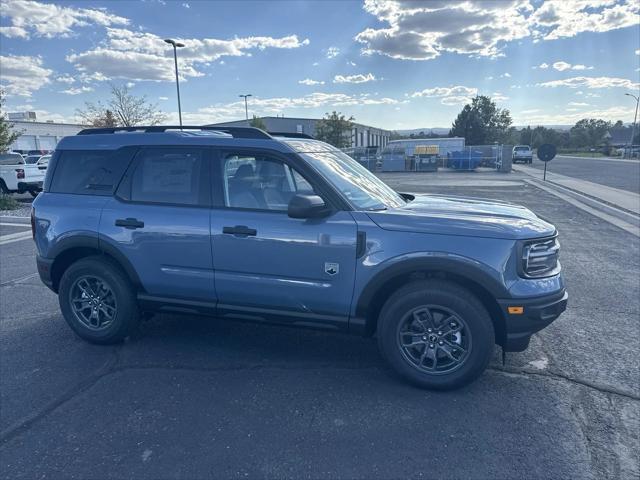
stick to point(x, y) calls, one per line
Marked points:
point(245, 225)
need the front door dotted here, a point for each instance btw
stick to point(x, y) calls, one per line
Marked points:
point(268, 264)
point(159, 221)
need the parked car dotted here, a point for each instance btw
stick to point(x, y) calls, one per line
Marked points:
point(522, 153)
point(235, 223)
point(16, 176)
point(32, 159)
point(43, 162)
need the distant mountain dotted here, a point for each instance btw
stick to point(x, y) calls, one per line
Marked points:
point(424, 131)
point(445, 131)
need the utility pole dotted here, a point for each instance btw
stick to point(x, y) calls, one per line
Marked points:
point(246, 108)
point(635, 119)
point(176, 45)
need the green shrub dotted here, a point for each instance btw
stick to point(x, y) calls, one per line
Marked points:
point(7, 202)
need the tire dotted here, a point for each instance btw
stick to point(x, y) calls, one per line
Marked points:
point(120, 302)
point(448, 304)
point(34, 193)
point(3, 188)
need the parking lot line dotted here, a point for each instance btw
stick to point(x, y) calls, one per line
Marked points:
point(14, 237)
point(9, 224)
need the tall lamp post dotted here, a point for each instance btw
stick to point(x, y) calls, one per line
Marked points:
point(635, 118)
point(246, 108)
point(176, 45)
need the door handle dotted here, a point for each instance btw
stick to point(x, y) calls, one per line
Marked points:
point(240, 230)
point(130, 223)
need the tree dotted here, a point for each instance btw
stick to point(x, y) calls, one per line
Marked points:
point(257, 122)
point(481, 122)
point(335, 129)
point(122, 110)
point(7, 134)
point(589, 132)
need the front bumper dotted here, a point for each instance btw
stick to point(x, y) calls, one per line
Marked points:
point(27, 186)
point(44, 270)
point(536, 314)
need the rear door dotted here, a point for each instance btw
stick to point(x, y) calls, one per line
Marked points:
point(271, 266)
point(159, 221)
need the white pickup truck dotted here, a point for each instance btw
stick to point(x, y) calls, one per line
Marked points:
point(18, 177)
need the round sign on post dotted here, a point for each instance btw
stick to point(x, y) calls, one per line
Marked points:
point(546, 152)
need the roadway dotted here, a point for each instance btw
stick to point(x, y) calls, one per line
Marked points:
point(616, 173)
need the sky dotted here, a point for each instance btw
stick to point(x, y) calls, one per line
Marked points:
point(391, 64)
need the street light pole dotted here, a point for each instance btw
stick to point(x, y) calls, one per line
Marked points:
point(635, 119)
point(176, 45)
point(246, 108)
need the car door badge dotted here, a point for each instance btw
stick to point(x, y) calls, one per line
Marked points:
point(331, 268)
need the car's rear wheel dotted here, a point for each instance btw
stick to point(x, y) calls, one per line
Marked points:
point(3, 188)
point(34, 193)
point(436, 334)
point(97, 301)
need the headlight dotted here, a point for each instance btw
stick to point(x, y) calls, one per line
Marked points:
point(539, 258)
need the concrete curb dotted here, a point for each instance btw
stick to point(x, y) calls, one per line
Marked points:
point(620, 218)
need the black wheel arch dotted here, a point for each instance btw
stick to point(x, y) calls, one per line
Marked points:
point(71, 249)
point(459, 270)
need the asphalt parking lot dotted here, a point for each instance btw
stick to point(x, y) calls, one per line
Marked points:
point(193, 397)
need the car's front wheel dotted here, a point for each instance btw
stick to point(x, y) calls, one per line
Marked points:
point(436, 334)
point(97, 301)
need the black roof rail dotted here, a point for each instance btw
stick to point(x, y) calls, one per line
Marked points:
point(235, 132)
point(291, 135)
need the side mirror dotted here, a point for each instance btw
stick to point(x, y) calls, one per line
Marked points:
point(307, 206)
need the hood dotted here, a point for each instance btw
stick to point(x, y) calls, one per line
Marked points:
point(463, 216)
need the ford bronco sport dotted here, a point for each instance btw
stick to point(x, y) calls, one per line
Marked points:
point(239, 224)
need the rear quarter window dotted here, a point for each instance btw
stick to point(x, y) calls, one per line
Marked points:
point(89, 172)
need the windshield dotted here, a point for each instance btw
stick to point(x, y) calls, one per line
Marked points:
point(362, 188)
point(31, 159)
point(522, 149)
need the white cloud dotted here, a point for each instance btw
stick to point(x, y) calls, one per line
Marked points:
point(578, 104)
point(77, 90)
point(506, 75)
point(457, 95)
point(145, 56)
point(278, 105)
point(29, 17)
point(14, 32)
point(499, 97)
point(612, 114)
point(422, 30)
point(65, 79)
point(562, 66)
point(359, 78)
point(163, 98)
point(186, 5)
point(308, 81)
point(333, 52)
point(559, 19)
point(591, 82)
point(638, 52)
point(542, 66)
point(130, 84)
point(22, 75)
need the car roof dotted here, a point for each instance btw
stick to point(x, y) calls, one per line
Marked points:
point(115, 138)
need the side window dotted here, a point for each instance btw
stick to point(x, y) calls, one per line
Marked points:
point(170, 175)
point(92, 172)
point(260, 182)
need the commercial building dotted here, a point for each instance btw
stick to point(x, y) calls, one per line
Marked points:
point(40, 136)
point(361, 135)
